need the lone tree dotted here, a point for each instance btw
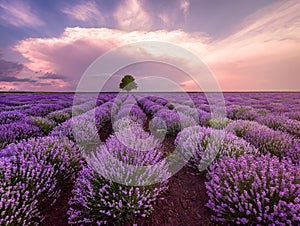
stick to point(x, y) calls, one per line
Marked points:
point(128, 83)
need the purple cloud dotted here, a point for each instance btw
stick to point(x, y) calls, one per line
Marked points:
point(53, 76)
point(9, 71)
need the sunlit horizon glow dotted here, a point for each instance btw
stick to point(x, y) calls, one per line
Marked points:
point(48, 47)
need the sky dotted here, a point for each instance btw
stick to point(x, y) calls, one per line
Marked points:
point(245, 45)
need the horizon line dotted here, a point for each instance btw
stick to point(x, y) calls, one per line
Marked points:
point(73, 92)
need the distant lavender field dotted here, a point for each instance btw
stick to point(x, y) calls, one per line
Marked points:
point(252, 173)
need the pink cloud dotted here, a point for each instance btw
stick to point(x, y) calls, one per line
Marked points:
point(19, 13)
point(263, 53)
point(185, 5)
point(86, 12)
point(77, 48)
point(130, 15)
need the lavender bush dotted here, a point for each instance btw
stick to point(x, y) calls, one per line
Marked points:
point(7, 117)
point(99, 199)
point(281, 122)
point(236, 112)
point(218, 123)
point(202, 145)
point(64, 130)
point(16, 131)
point(188, 111)
point(132, 111)
point(23, 183)
point(150, 107)
point(204, 117)
point(84, 128)
point(126, 122)
point(82, 108)
point(60, 116)
point(254, 190)
point(45, 124)
point(60, 153)
point(42, 109)
point(174, 121)
point(293, 115)
point(267, 140)
point(30, 174)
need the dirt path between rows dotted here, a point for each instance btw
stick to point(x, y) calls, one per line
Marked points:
point(184, 202)
point(56, 215)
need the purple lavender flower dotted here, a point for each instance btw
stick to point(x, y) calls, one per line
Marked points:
point(98, 198)
point(266, 140)
point(16, 131)
point(42, 109)
point(201, 146)
point(7, 117)
point(45, 124)
point(84, 128)
point(282, 123)
point(60, 116)
point(30, 174)
point(134, 112)
point(253, 190)
point(236, 112)
point(174, 121)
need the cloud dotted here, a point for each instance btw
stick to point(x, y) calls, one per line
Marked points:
point(272, 31)
point(185, 5)
point(19, 13)
point(4, 78)
point(52, 76)
point(164, 18)
point(77, 48)
point(266, 47)
point(9, 72)
point(16, 76)
point(8, 68)
point(130, 15)
point(155, 15)
point(86, 12)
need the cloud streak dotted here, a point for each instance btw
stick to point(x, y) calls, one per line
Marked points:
point(185, 5)
point(19, 13)
point(131, 15)
point(53, 76)
point(8, 68)
point(263, 52)
point(86, 12)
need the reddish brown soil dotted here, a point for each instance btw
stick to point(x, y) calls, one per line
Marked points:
point(56, 215)
point(184, 202)
point(105, 131)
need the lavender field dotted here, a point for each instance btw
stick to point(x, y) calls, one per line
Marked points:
point(242, 168)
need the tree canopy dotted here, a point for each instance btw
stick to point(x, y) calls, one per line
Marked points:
point(128, 83)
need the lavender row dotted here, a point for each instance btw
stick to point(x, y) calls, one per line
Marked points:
point(169, 117)
point(17, 126)
point(106, 190)
point(201, 146)
point(273, 120)
point(84, 128)
point(31, 174)
point(254, 190)
point(267, 140)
